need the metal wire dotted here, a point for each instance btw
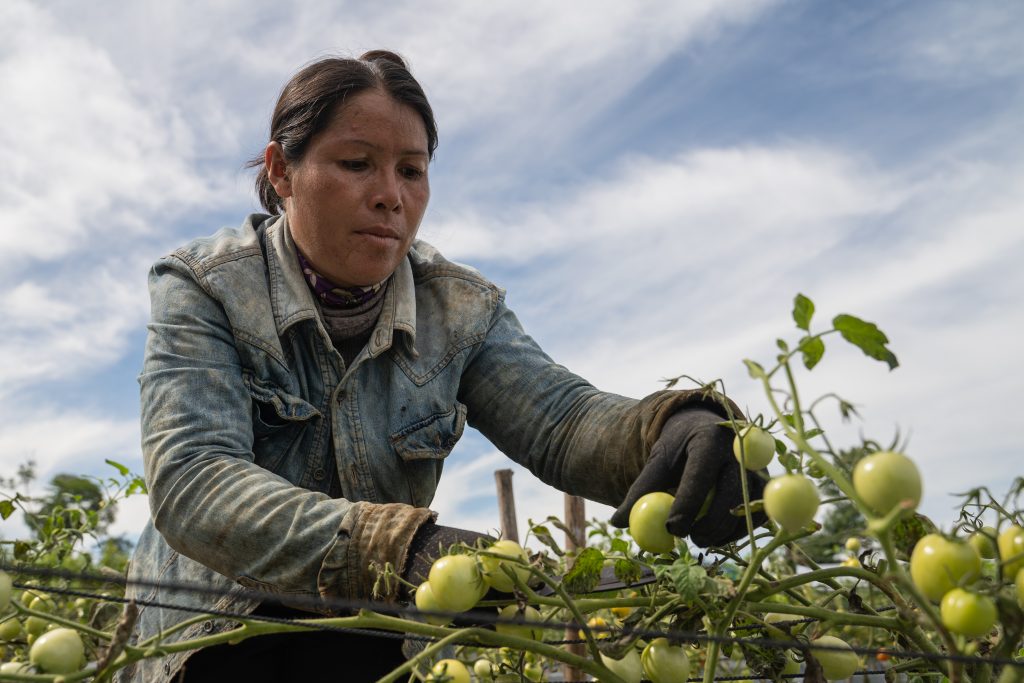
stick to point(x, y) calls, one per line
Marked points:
point(473, 617)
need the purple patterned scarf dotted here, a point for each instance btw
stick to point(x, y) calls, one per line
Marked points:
point(332, 294)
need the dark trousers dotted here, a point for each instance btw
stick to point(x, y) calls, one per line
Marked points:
point(307, 657)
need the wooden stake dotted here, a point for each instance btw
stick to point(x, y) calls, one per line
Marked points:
point(506, 505)
point(576, 520)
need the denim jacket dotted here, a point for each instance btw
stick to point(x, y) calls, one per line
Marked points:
point(249, 413)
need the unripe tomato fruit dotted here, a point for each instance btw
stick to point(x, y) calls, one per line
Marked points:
point(10, 629)
point(984, 541)
point(5, 591)
point(1020, 587)
point(16, 668)
point(492, 570)
point(36, 625)
point(623, 612)
point(523, 631)
point(758, 447)
point(449, 670)
point(59, 651)
point(885, 479)
point(790, 501)
point(967, 613)
point(426, 601)
point(647, 520)
point(937, 565)
point(1011, 544)
point(456, 583)
point(853, 544)
point(484, 669)
point(600, 623)
point(835, 664)
point(663, 662)
point(628, 668)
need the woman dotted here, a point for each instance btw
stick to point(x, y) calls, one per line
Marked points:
point(306, 374)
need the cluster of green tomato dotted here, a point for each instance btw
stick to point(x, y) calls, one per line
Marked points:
point(52, 649)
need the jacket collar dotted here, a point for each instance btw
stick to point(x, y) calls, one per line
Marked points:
point(292, 301)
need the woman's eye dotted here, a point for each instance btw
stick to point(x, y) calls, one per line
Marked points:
point(353, 164)
point(412, 173)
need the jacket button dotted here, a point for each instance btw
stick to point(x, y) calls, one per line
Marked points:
point(208, 626)
point(319, 473)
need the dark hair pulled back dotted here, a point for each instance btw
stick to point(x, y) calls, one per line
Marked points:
point(314, 95)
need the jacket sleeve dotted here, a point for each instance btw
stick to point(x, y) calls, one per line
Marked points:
point(572, 436)
point(208, 498)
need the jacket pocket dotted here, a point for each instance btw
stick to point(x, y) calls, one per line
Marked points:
point(278, 419)
point(423, 446)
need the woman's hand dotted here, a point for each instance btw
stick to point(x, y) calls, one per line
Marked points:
point(693, 459)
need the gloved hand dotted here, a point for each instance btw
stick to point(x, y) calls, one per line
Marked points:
point(692, 457)
point(430, 542)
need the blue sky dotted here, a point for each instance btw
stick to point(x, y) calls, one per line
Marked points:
point(651, 182)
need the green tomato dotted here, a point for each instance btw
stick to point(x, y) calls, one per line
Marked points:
point(886, 479)
point(852, 545)
point(984, 541)
point(456, 583)
point(59, 651)
point(484, 669)
point(36, 625)
point(628, 668)
point(790, 501)
point(835, 664)
point(5, 591)
point(510, 612)
point(533, 671)
point(41, 604)
point(1011, 549)
point(937, 565)
point(967, 613)
point(10, 629)
point(426, 601)
point(16, 668)
point(647, 520)
point(663, 662)
point(758, 447)
point(517, 562)
point(1020, 587)
point(449, 671)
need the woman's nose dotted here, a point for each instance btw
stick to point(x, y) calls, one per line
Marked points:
point(387, 194)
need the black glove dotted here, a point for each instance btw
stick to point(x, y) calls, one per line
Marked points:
point(430, 542)
point(691, 458)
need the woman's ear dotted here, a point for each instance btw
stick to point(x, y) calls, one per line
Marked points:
point(277, 170)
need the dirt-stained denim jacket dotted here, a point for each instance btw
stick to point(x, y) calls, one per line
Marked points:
point(248, 413)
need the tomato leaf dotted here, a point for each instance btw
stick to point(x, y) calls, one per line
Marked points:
point(119, 467)
point(783, 346)
point(691, 581)
point(812, 348)
point(755, 369)
point(627, 571)
point(542, 534)
point(803, 311)
point(619, 545)
point(867, 337)
point(6, 509)
point(585, 573)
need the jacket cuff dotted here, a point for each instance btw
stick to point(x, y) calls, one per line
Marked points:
point(371, 535)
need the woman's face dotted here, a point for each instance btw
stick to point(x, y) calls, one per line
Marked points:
point(355, 199)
